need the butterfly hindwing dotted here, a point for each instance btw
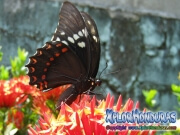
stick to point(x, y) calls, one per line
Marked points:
point(54, 65)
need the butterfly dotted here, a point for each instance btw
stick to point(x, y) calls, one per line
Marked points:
point(71, 57)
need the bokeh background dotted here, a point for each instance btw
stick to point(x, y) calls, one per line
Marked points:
point(139, 38)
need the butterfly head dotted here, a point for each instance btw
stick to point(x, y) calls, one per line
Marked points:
point(98, 82)
point(94, 82)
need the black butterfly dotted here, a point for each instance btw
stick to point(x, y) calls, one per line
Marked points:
point(71, 57)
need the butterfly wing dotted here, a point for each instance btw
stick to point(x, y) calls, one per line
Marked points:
point(54, 65)
point(79, 31)
point(73, 52)
point(94, 44)
point(72, 31)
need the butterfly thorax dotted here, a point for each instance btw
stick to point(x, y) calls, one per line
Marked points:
point(87, 85)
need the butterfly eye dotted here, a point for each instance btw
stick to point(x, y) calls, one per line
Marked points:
point(98, 82)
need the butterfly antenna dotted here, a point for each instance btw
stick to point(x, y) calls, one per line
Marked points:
point(112, 72)
point(103, 69)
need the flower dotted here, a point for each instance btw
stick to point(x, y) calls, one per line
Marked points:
point(15, 103)
point(54, 93)
point(16, 116)
point(18, 100)
point(14, 91)
point(84, 117)
point(40, 99)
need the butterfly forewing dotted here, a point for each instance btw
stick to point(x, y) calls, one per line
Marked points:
point(94, 44)
point(72, 31)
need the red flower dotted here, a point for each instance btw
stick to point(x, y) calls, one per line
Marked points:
point(85, 118)
point(40, 98)
point(15, 116)
point(54, 93)
point(14, 91)
point(39, 104)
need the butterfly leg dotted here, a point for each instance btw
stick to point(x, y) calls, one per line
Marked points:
point(68, 96)
point(60, 104)
point(89, 92)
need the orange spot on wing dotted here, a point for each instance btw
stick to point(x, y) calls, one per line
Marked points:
point(45, 84)
point(45, 69)
point(58, 45)
point(39, 52)
point(40, 85)
point(64, 50)
point(33, 60)
point(48, 64)
point(57, 54)
point(43, 77)
point(34, 79)
point(32, 69)
point(48, 46)
point(51, 59)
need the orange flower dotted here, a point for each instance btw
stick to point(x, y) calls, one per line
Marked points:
point(84, 118)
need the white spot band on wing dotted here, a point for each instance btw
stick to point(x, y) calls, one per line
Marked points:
point(71, 39)
point(81, 44)
point(65, 42)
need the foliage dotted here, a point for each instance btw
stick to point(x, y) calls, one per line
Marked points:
point(149, 97)
point(1, 54)
point(17, 64)
point(176, 91)
point(4, 73)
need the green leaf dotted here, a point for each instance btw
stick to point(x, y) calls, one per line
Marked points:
point(22, 54)
point(150, 95)
point(1, 54)
point(17, 64)
point(4, 73)
point(51, 105)
point(175, 88)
